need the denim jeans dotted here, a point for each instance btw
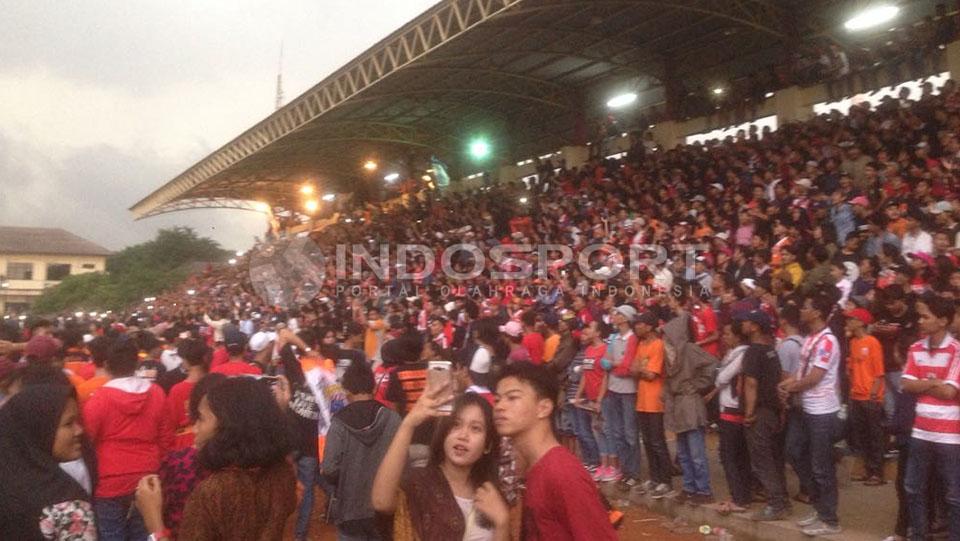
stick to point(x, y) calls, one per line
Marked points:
point(866, 430)
point(891, 385)
point(736, 461)
point(795, 449)
point(946, 459)
point(655, 444)
point(692, 454)
point(762, 441)
point(308, 473)
point(592, 443)
point(810, 444)
point(119, 520)
point(620, 426)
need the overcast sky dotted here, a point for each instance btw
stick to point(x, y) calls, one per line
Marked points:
point(101, 102)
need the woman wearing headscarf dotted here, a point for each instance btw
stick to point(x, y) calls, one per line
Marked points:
point(38, 500)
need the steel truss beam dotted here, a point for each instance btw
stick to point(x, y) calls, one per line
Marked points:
point(444, 23)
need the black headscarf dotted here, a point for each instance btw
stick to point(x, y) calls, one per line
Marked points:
point(32, 478)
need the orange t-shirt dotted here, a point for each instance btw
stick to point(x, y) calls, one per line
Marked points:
point(865, 365)
point(550, 347)
point(86, 388)
point(648, 392)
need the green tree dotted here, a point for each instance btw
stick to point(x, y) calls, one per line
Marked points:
point(135, 272)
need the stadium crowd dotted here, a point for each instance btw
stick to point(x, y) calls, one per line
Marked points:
point(817, 316)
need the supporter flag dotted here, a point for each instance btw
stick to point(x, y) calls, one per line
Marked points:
point(440, 172)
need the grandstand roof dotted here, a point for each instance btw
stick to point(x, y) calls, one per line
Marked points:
point(518, 71)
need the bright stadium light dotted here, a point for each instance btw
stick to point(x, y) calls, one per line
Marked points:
point(870, 17)
point(479, 149)
point(306, 189)
point(392, 177)
point(328, 197)
point(370, 165)
point(621, 100)
point(311, 205)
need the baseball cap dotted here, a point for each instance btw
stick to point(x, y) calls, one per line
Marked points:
point(234, 337)
point(860, 314)
point(749, 283)
point(648, 318)
point(42, 348)
point(512, 328)
point(626, 311)
point(756, 316)
point(922, 256)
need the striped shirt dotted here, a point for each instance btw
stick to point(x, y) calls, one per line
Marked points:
point(936, 420)
point(821, 351)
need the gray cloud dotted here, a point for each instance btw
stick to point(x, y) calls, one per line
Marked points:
point(112, 99)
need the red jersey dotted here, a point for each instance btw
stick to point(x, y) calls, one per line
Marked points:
point(562, 502)
point(705, 323)
point(936, 420)
point(534, 343)
point(176, 409)
point(592, 372)
point(236, 368)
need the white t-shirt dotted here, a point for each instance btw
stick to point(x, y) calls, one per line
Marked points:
point(473, 531)
point(821, 351)
point(171, 359)
point(480, 363)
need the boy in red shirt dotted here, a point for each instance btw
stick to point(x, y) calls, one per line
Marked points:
point(593, 381)
point(236, 344)
point(561, 502)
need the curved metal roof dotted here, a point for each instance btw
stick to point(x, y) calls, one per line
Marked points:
point(518, 71)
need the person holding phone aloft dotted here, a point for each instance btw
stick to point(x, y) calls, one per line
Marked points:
point(454, 496)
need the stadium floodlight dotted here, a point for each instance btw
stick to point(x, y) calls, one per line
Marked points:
point(392, 177)
point(479, 149)
point(621, 100)
point(306, 189)
point(311, 205)
point(329, 197)
point(370, 165)
point(870, 17)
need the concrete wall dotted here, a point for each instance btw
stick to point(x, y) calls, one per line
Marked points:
point(26, 291)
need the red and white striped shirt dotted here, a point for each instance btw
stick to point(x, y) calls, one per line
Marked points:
point(936, 420)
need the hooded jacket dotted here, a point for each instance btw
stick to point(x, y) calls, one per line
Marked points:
point(358, 439)
point(688, 370)
point(126, 423)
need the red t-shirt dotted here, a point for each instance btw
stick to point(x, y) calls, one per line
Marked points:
point(176, 409)
point(533, 341)
point(562, 502)
point(236, 368)
point(220, 356)
point(592, 372)
point(705, 322)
